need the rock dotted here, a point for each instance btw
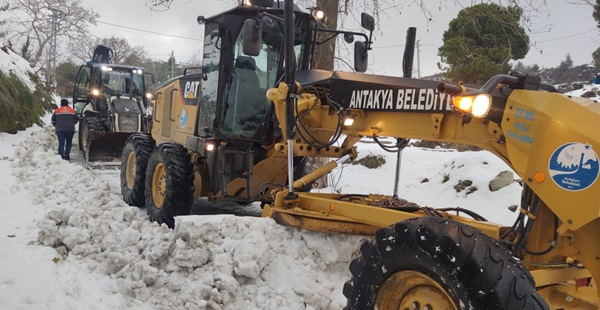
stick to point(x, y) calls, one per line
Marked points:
point(503, 179)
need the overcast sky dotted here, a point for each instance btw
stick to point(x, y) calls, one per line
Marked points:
point(573, 31)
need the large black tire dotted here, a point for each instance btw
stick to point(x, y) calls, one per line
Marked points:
point(440, 263)
point(79, 136)
point(134, 162)
point(169, 184)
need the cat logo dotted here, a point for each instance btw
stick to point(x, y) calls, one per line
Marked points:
point(191, 89)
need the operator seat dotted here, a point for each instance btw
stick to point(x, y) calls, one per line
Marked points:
point(245, 67)
point(251, 97)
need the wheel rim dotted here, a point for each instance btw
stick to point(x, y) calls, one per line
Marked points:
point(412, 290)
point(130, 170)
point(159, 185)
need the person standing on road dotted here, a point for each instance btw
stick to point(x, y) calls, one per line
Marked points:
point(64, 120)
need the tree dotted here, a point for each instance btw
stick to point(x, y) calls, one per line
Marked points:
point(596, 54)
point(596, 12)
point(324, 54)
point(194, 61)
point(343, 12)
point(562, 72)
point(34, 22)
point(66, 73)
point(481, 41)
point(123, 51)
point(3, 8)
point(527, 69)
point(596, 58)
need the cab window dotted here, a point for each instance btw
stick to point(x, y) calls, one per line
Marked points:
point(246, 105)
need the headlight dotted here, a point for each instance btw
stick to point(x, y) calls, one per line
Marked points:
point(476, 105)
point(319, 14)
point(95, 92)
point(149, 95)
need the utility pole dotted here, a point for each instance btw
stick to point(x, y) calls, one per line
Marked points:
point(54, 16)
point(172, 63)
point(418, 59)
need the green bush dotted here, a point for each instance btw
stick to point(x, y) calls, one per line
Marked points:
point(370, 161)
point(19, 107)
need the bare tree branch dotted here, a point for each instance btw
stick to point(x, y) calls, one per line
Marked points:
point(32, 19)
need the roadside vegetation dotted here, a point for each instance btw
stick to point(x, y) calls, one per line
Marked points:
point(20, 108)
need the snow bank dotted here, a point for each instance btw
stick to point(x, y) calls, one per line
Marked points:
point(11, 63)
point(207, 262)
point(591, 91)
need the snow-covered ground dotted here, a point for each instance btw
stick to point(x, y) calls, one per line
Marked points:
point(67, 240)
point(591, 91)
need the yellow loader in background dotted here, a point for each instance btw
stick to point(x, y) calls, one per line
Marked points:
point(112, 101)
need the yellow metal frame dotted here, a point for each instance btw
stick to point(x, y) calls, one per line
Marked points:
point(533, 126)
point(552, 117)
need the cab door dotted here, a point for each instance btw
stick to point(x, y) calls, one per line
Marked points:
point(167, 120)
point(81, 90)
point(245, 110)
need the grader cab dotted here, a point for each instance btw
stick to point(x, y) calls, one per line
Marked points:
point(215, 136)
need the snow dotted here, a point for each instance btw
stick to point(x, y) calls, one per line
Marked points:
point(586, 89)
point(66, 225)
point(11, 63)
point(68, 241)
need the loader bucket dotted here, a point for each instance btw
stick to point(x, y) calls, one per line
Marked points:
point(105, 146)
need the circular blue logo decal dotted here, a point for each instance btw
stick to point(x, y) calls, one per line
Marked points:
point(183, 119)
point(574, 166)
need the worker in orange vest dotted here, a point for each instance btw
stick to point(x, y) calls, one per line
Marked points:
point(64, 120)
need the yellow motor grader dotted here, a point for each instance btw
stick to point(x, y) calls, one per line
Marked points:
point(239, 130)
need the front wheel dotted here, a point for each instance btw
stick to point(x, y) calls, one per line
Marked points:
point(435, 263)
point(134, 162)
point(88, 125)
point(169, 184)
point(79, 136)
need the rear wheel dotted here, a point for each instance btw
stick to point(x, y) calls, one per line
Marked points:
point(434, 263)
point(169, 185)
point(134, 162)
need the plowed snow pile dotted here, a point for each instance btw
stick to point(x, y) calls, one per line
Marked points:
point(214, 262)
point(109, 256)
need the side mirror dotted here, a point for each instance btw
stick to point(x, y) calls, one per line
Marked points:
point(367, 21)
point(252, 38)
point(361, 56)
